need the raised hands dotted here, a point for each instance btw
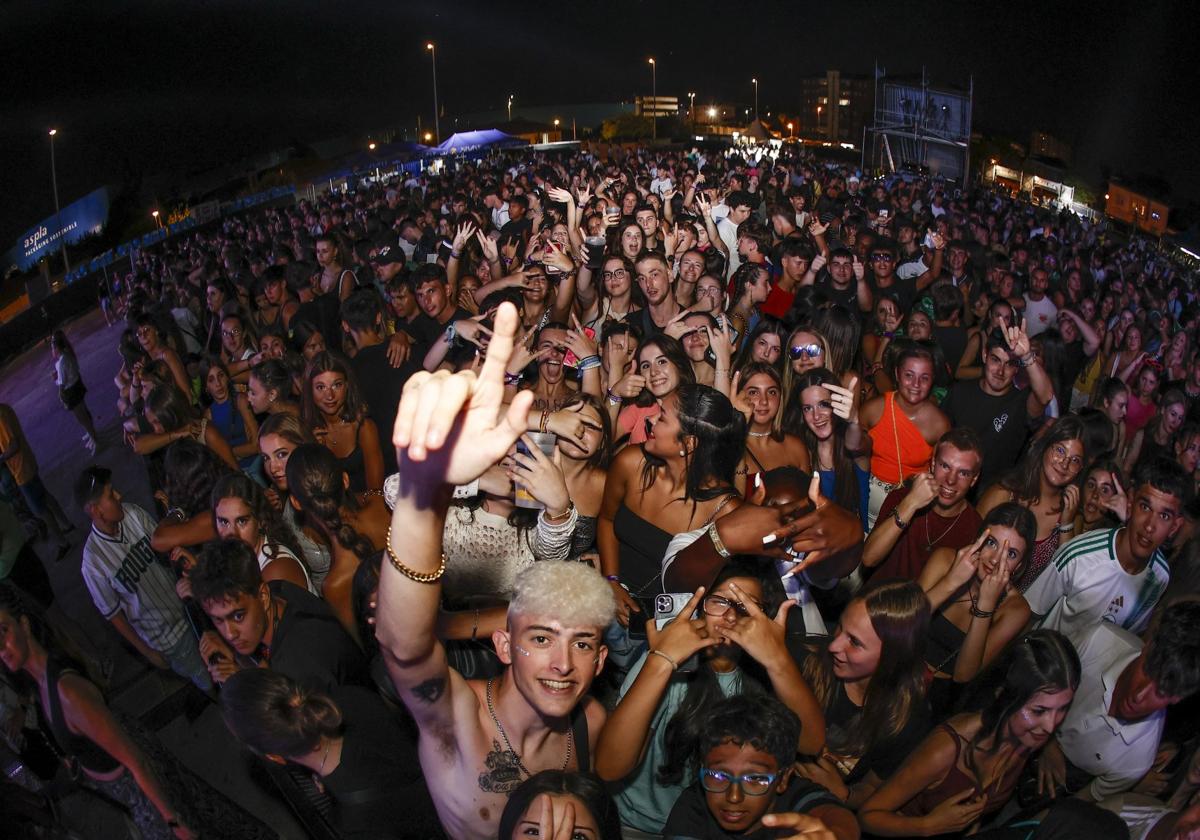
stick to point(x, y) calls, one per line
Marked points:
point(683, 635)
point(1118, 502)
point(488, 245)
point(449, 427)
point(541, 476)
point(845, 400)
point(966, 561)
point(462, 236)
point(859, 269)
point(560, 196)
point(1018, 340)
point(757, 633)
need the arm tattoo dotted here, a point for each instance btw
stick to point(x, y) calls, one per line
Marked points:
point(430, 690)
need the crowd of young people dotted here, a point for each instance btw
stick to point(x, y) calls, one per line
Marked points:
point(648, 493)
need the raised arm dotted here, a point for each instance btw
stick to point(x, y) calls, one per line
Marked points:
point(448, 432)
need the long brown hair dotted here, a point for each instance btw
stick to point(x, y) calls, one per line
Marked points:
point(899, 613)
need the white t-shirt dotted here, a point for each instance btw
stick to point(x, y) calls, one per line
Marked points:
point(1040, 315)
point(1085, 584)
point(123, 573)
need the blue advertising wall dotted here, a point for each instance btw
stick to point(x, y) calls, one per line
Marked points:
point(75, 221)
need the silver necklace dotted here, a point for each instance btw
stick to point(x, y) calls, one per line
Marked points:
point(758, 434)
point(509, 747)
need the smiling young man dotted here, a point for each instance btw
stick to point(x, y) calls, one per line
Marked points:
point(480, 739)
point(932, 513)
point(1115, 574)
point(994, 407)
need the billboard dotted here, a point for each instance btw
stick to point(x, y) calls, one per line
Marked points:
point(86, 216)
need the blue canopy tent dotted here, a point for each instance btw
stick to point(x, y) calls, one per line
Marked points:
point(469, 141)
point(383, 156)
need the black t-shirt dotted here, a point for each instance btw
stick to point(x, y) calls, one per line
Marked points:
point(380, 385)
point(905, 290)
point(517, 227)
point(847, 297)
point(690, 819)
point(953, 341)
point(378, 789)
point(425, 331)
point(309, 644)
point(883, 757)
point(1002, 423)
point(323, 312)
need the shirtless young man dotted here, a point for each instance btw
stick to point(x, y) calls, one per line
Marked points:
point(480, 739)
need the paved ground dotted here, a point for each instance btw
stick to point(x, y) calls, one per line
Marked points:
point(27, 384)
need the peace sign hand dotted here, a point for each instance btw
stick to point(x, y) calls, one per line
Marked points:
point(966, 561)
point(449, 427)
point(759, 635)
point(683, 635)
point(996, 582)
point(1118, 502)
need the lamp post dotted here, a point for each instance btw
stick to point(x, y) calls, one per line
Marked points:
point(819, 129)
point(510, 98)
point(157, 221)
point(54, 184)
point(755, 83)
point(789, 131)
point(654, 99)
point(692, 109)
point(437, 130)
point(556, 122)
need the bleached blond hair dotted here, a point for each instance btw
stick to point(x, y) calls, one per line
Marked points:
point(573, 593)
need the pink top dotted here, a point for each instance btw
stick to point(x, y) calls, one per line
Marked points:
point(1138, 414)
point(632, 421)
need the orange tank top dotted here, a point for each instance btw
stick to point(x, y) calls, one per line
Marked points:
point(898, 449)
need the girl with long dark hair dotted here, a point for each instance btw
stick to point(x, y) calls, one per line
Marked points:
point(759, 397)
point(334, 410)
point(661, 368)
point(241, 511)
point(976, 609)
point(681, 478)
point(1046, 482)
point(870, 680)
point(536, 801)
point(969, 766)
point(654, 731)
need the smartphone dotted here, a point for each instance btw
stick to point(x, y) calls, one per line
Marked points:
point(570, 359)
point(667, 607)
point(637, 624)
point(884, 212)
point(928, 241)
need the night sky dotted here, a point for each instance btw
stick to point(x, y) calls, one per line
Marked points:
point(146, 85)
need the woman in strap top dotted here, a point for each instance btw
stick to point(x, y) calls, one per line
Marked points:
point(967, 768)
point(902, 425)
point(1046, 481)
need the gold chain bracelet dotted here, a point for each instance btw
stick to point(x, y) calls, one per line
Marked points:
point(418, 577)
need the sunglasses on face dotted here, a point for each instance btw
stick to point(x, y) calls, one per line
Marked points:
point(805, 351)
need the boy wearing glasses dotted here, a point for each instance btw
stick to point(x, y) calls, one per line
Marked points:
point(1115, 574)
point(746, 786)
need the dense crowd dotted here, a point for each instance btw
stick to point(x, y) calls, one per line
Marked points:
point(645, 493)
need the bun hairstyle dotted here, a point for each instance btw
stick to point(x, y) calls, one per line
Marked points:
point(272, 714)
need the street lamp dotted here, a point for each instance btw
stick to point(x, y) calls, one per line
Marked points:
point(556, 125)
point(755, 83)
point(654, 99)
point(157, 221)
point(433, 59)
point(712, 113)
point(819, 129)
point(510, 98)
point(789, 130)
point(371, 146)
point(57, 217)
point(428, 136)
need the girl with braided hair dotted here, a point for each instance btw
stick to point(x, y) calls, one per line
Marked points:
point(241, 511)
point(354, 529)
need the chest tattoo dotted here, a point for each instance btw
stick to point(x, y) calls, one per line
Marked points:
point(503, 774)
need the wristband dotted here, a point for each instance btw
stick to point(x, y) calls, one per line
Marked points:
point(454, 255)
point(1028, 360)
point(613, 578)
point(978, 613)
point(673, 663)
point(613, 398)
point(589, 362)
point(513, 379)
point(1066, 528)
point(900, 523)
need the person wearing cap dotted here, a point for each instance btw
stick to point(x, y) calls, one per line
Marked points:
point(129, 583)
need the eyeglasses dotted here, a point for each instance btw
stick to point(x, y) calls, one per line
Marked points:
point(234, 333)
point(716, 605)
point(1061, 455)
point(752, 784)
point(806, 351)
point(620, 272)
